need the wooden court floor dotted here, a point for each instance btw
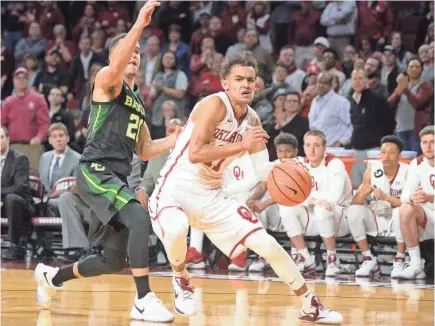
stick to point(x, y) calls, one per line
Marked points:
point(107, 300)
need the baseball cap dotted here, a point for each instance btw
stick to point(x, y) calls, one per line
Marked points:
point(321, 40)
point(21, 70)
point(279, 92)
point(388, 48)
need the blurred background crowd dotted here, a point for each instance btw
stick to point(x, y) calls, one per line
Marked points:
point(355, 70)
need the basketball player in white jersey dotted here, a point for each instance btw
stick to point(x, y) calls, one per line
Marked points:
point(416, 221)
point(220, 128)
point(239, 180)
point(377, 200)
point(323, 213)
point(260, 201)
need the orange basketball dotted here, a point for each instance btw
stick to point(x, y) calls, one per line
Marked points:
point(289, 183)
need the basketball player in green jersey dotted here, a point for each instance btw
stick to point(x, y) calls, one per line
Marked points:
point(118, 223)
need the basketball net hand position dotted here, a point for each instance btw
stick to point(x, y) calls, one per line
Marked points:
point(144, 17)
point(253, 136)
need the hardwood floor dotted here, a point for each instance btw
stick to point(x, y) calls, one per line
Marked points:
point(107, 300)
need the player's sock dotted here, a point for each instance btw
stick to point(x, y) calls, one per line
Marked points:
point(64, 274)
point(196, 239)
point(414, 254)
point(368, 253)
point(306, 298)
point(305, 253)
point(184, 274)
point(400, 255)
point(142, 286)
point(332, 252)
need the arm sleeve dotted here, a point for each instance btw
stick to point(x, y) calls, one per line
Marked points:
point(412, 181)
point(312, 115)
point(334, 190)
point(262, 165)
point(326, 18)
point(21, 177)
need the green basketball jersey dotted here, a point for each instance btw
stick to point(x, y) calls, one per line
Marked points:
point(114, 131)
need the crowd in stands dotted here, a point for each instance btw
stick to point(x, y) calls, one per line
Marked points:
point(356, 71)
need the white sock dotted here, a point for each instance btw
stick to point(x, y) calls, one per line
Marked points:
point(306, 298)
point(400, 255)
point(305, 253)
point(368, 253)
point(414, 254)
point(332, 252)
point(196, 239)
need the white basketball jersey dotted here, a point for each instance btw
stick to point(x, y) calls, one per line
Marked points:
point(393, 188)
point(240, 177)
point(324, 175)
point(420, 174)
point(210, 175)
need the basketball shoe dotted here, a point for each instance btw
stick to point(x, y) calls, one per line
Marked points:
point(313, 312)
point(398, 266)
point(332, 268)
point(259, 265)
point(150, 308)
point(194, 259)
point(413, 271)
point(368, 268)
point(46, 289)
point(238, 264)
point(184, 301)
point(306, 266)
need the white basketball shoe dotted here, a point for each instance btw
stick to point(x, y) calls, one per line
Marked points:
point(332, 267)
point(184, 301)
point(46, 289)
point(314, 312)
point(368, 268)
point(150, 308)
point(398, 266)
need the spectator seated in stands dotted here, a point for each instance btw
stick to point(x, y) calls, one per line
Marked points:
point(324, 211)
point(330, 112)
point(17, 202)
point(34, 45)
point(51, 76)
point(377, 200)
point(59, 163)
point(415, 221)
point(295, 76)
point(25, 114)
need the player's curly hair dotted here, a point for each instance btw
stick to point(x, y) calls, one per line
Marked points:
point(286, 139)
point(242, 58)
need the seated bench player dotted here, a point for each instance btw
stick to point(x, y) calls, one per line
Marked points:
point(324, 211)
point(260, 201)
point(415, 221)
point(377, 200)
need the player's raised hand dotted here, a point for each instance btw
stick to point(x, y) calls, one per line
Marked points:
point(254, 135)
point(145, 13)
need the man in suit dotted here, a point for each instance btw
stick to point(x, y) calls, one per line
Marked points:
point(17, 202)
point(57, 164)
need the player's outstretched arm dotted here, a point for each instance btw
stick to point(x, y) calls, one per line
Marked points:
point(206, 117)
point(111, 75)
point(146, 148)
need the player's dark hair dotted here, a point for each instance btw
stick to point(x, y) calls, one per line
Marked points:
point(6, 131)
point(240, 58)
point(286, 139)
point(428, 130)
point(114, 42)
point(394, 140)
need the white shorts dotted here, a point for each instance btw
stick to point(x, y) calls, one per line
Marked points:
point(373, 224)
point(271, 219)
point(226, 221)
point(299, 220)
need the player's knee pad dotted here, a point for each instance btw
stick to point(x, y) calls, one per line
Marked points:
point(355, 221)
point(325, 222)
point(114, 260)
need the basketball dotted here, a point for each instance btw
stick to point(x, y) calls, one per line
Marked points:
point(289, 183)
